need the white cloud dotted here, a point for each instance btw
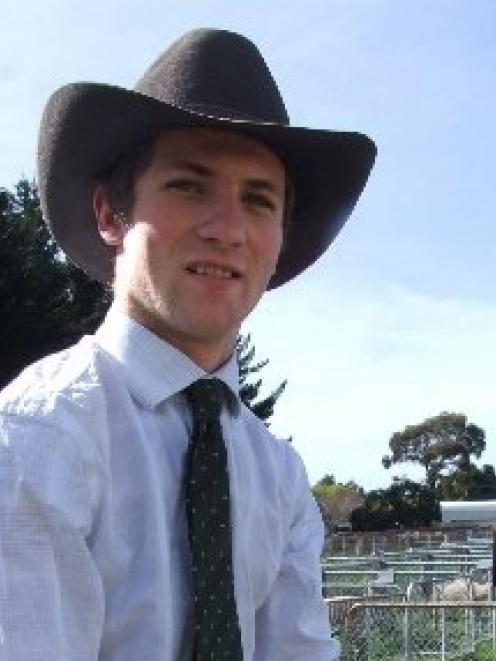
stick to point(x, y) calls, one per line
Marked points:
point(363, 365)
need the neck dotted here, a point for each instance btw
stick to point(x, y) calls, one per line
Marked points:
point(209, 354)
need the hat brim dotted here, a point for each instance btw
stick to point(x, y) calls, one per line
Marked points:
point(86, 127)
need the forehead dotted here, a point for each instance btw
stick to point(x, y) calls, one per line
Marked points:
point(205, 143)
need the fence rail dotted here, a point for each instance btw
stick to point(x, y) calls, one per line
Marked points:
point(386, 631)
point(362, 543)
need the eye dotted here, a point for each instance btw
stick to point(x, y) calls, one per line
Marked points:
point(260, 201)
point(184, 185)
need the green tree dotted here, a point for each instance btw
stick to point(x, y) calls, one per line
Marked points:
point(45, 304)
point(404, 504)
point(484, 484)
point(337, 501)
point(249, 391)
point(443, 445)
point(327, 480)
point(471, 484)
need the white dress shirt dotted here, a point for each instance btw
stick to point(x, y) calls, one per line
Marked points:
point(94, 558)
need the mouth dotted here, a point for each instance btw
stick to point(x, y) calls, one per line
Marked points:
point(221, 271)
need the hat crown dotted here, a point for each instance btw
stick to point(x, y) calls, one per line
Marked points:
point(217, 73)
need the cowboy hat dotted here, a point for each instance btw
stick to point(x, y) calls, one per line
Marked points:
point(210, 78)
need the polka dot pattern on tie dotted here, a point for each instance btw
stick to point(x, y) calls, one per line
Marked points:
point(217, 633)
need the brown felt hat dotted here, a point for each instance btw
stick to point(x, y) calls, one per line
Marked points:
point(209, 78)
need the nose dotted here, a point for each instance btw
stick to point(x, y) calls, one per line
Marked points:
point(225, 221)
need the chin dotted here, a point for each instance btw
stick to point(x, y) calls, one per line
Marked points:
point(215, 333)
point(211, 320)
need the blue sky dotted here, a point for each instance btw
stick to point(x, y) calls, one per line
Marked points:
point(397, 321)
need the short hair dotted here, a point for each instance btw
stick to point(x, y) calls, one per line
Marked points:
point(119, 181)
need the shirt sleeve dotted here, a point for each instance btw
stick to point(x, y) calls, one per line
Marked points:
point(293, 623)
point(51, 596)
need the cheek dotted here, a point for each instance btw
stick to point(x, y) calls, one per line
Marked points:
point(271, 244)
point(144, 240)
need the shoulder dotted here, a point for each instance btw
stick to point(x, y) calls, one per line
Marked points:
point(277, 455)
point(280, 475)
point(55, 384)
point(52, 426)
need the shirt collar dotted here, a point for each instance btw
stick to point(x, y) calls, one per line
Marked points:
point(154, 370)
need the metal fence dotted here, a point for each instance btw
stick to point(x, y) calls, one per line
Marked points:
point(380, 631)
point(413, 584)
point(362, 543)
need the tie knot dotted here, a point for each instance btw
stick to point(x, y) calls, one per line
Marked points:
point(206, 397)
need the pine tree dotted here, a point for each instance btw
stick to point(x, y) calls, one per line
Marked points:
point(249, 391)
point(46, 304)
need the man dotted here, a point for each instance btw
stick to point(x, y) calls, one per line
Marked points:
point(135, 523)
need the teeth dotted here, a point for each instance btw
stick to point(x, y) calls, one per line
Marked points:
point(216, 271)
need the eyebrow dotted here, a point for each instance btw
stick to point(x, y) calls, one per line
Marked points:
point(192, 166)
point(258, 183)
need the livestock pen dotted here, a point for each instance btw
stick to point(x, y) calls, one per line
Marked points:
point(430, 599)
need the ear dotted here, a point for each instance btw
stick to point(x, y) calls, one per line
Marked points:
point(110, 228)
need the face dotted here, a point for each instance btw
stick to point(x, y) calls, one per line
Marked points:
point(203, 239)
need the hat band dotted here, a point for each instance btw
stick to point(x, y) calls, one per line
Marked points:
point(222, 112)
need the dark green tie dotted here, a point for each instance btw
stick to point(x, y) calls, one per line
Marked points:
point(217, 633)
